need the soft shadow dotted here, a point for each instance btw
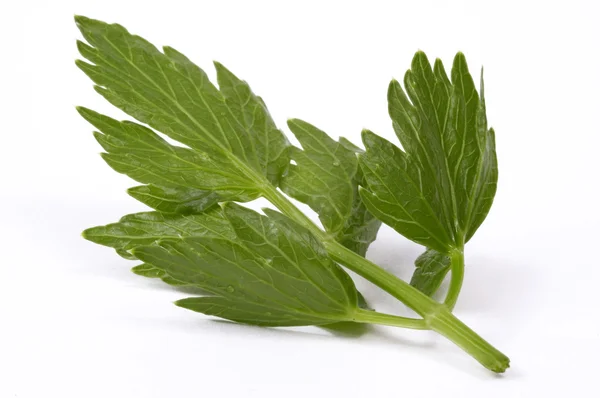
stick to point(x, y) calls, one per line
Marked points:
point(338, 329)
point(439, 350)
point(392, 338)
point(347, 329)
point(435, 348)
point(496, 284)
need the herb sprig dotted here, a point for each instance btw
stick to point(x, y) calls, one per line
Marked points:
point(280, 268)
point(438, 191)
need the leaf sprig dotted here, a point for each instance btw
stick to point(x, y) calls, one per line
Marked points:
point(279, 268)
point(439, 189)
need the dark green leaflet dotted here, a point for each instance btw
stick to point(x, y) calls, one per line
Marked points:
point(437, 190)
point(432, 267)
point(326, 177)
point(275, 273)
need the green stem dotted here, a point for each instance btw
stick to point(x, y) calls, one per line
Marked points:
point(457, 267)
point(366, 316)
point(460, 334)
point(436, 316)
point(395, 286)
point(401, 290)
point(289, 209)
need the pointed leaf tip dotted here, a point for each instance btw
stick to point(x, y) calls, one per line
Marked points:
point(220, 66)
point(293, 121)
point(419, 59)
point(433, 116)
point(368, 137)
point(460, 61)
point(79, 19)
point(85, 112)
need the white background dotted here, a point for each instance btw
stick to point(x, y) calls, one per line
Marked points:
point(75, 322)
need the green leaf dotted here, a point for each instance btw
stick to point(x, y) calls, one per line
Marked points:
point(272, 249)
point(164, 90)
point(275, 273)
point(438, 190)
point(143, 155)
point(432, 267)
point(326, 177)
point(141, 229)
point(248, 312)
point(292, 248)
point(233, 147)
point(183, 200)
point(148, 270)
point(271, 144)
point(395, 197)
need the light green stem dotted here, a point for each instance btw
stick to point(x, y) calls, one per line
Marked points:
point(436, 316)
point(446, 324)
point(457, 267)
point(366, 316)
